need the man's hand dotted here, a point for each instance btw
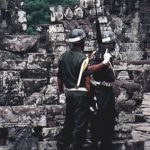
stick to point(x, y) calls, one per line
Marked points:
point(107, 57)
point(62, 98)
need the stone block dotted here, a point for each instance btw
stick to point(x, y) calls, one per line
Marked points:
point(47, 96)
point(134, 55)
point(50, 93)
point(129, 86)
point(34, 74)
point(56, 116)
point(23, 116)
point(50, 133)
point(11, 88)
point(90, 46)
point(5, 147)
point(122, 136)
point(92, 11)
point(51, 145)
point(20, 43)
point(132, 37)
point(33, 85)
point(13, 65)
point(5, 55)
point(57, 37)
point(39, 60)
point(128, 145)
point(127, 106)
point(56, 28)
point(123, 128)
point(124, 117)
point(34, 99)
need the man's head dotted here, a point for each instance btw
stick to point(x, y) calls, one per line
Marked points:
point(77, 38)
point(109, 40)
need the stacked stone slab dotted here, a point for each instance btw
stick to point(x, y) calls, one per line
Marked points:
point(31, 112)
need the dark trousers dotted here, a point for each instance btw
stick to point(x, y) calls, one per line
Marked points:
point(102, 124)
point(75, 125)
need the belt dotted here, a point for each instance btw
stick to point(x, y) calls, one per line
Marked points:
point(103, 83)
point(77, 89)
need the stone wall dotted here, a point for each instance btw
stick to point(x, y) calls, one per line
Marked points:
point(31, 112)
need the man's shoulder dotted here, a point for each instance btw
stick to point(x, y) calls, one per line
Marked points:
point(63, 55)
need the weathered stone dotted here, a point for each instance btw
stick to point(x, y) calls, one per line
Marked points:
point(26, 139)
point(57, 36)
point(11, 89)
point(20, 43)
point(5, 147)
point(58, 50)
point(5, 55)
point(130, 86)
point(123, 95)
point(123, 128)
point(23, 115)
point(122, 136)
point(36, 74)
point(92, 11)
point(50, 133)
point(138, 135)
point(56, 28)
point(39, 60)
point(50, 93)
point(128, 145)
point(58, 116)
point(90, 46)
point(124, 117)
point(140, 118)
point(13, 65)
point(123, 75)
point(127, 106)
point(78, 13)
point(51, 145)
point(35, 99)
point(33, 85)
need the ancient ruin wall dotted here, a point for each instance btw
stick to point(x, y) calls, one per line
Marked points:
point(30, 107)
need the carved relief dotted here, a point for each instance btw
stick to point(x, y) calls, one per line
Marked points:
point(78, 12)
point(22, 19)
point(59, 13)
point(52, 14)
point(90, 3)
point(68, 14)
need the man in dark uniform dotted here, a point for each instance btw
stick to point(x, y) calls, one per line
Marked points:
point(103, 121)
point(77, 81)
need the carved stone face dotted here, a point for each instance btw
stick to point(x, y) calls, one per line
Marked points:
point(59, 13)
point(22, 16)
point(22, 19)
point(68, 13)
point(78, 12)
point(24, 26)
point(53, 14)
point(90, 3)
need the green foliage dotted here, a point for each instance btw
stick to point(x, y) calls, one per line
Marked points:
point(38, 11)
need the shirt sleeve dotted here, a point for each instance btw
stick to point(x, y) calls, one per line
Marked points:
point(59, 73)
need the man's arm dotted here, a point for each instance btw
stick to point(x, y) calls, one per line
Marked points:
point(87, 83)
point(60, 85)
point(95, 68)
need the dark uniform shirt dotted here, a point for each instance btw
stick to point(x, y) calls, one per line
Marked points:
point(69, 67)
